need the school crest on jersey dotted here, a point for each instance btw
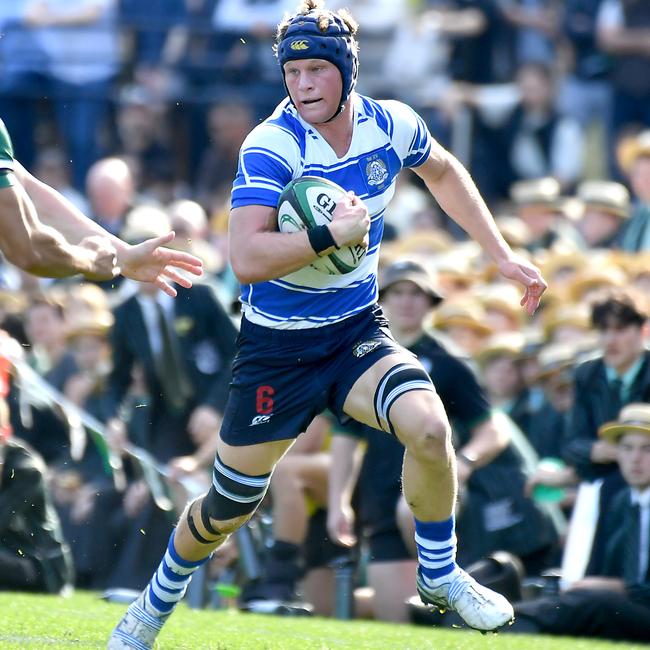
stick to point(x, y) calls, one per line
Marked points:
point(376, 170)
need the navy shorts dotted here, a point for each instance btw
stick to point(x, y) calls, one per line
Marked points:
point(282, 379)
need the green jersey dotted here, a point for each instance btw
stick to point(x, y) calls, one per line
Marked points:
point(6, 158)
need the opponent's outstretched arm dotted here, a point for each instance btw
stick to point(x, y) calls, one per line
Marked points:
point(47, 210)
point(40, 249)
point(453, 188)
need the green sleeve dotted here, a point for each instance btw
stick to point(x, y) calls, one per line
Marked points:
point(7, 178)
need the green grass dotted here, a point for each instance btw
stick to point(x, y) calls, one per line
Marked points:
point(83, 621)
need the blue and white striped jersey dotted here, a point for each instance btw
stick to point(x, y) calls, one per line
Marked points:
point(387, 136)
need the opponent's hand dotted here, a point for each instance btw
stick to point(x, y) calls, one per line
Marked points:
point(350, 223)
point(151, 262)
point(102, 256)
point(340, 526)
point(522, 271)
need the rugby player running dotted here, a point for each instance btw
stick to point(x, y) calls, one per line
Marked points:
point(310, 340)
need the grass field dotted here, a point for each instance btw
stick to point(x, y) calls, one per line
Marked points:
point(84, 621)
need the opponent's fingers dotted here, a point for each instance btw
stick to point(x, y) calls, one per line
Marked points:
point(171, 274)
point(186, 265)
point(150, 245)
point(163, 285)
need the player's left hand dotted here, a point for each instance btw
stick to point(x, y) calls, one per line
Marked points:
point(522, 271)
point(151, 262)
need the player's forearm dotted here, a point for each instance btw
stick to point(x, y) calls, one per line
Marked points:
point(458, 196)
point(54, 210)
point(342, 476)
point(32, 246)
point(269, 255)
point(55, 258)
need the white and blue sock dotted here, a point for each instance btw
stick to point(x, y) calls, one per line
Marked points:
point(436, 545)
point(168, 585)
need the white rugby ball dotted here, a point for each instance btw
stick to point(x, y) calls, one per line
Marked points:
point(307, 202)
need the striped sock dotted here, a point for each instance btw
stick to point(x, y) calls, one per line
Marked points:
point(170, 581)
point(436, 545)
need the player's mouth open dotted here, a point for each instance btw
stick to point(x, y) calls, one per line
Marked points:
point(310, 101)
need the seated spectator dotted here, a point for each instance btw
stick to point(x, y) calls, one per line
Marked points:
point(551, 475)
point(635, 161)
point(603, 384)
point(499, 361)
point(532, 140)
point(33, 554)
point(540, 206)
point(605, 211)
point(463, 321)
point(612, 601)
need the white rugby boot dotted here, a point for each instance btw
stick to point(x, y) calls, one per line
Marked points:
point(137, 630)
point(480, 607)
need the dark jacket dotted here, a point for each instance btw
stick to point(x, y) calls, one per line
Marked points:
point(206, 337)
point(594, 405)
point(29, 525)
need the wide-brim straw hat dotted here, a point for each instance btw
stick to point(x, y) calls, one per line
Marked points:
point(634, 418)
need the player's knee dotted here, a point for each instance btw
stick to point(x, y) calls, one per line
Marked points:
point(427, 437)
point(230, 503)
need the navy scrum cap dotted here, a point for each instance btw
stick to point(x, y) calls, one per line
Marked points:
point(305, 40)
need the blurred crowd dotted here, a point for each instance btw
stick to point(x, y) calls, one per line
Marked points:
point(136, 111)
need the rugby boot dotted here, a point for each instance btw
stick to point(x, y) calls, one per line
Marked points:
point(480, 607)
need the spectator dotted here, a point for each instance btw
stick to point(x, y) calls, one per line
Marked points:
point(83, 485)
point(635, 161)
point(53, 169)
point(546, 433)
point(605, 211)
point(612, 600)
point(463, 320)
point(533, 139)
point(33, 554)
point(110, 188)
point(602, 385)
point(586, 92)
point(228, 123)
point(546, 214)
point(499, 361)
point(46, 328)
point(537, 24)
point(146, 141)
point(623, 32)
point(78, 39)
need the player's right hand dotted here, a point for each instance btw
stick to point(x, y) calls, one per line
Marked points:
point(103, 258)
point(350, 221)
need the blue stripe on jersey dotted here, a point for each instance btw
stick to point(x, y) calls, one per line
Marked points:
point(388, 136)
point(420, 145)
point(322, 310)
